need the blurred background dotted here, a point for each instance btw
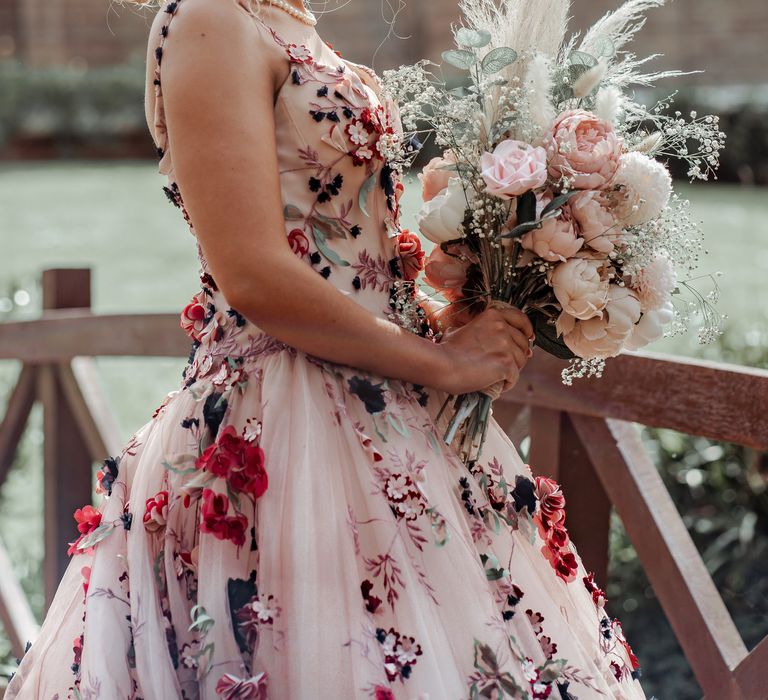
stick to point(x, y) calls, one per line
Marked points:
point(79, 187)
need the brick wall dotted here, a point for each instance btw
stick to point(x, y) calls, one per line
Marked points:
point(726, 39)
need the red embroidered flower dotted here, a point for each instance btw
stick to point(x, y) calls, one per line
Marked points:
point(238, 461)
point(214, 518)
point(299, 242)
point(193, 317)
point(411, 254)
point(77, 648)
point(383, 693)
point(249, 476)
point(563, 561)
point(87, 519)
point(598, 595)
point(156, 512)
point(224, 454)
point(551, 499)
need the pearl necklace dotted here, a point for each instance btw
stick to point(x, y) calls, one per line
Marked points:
point(301, 15)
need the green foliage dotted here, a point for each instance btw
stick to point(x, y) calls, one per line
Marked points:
point(65, 103)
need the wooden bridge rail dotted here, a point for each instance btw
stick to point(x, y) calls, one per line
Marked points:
point(583, 436)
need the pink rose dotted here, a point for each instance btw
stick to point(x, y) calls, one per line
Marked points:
point(597, 225)
point(581, 287)
point(583, 149)
point(446, 273)
point(557, 239)
point(605, 336)
point(435, 175)
point(513, 168)
point(411, 255)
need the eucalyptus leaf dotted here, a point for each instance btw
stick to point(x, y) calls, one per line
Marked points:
point(522, 229)
point(460, 58)
point(605, 47)
point(292, 213)
point(558, 202)
point(548, 340)
point(473, 38)
point(331, 226)
point(322, 245)
point(499, 58)
point(581, 58)
point(365, 190)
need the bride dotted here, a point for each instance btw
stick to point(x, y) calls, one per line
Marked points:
point(289, 523)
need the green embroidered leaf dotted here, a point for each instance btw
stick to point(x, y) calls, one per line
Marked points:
point(181, 472)
point(201, 620)
point(96, 536)
point(322, 245)
point(485, 659)
point(499, 58)
point(397, 423)
point(460, 58)
point(292, 213)
point(473, 38)
point(551, 670)
point(331, 227)
point(365, 190)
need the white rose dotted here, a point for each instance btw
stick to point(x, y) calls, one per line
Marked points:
point(581, 287)
point(650, 327)
point(643, 186)
point(440, 218)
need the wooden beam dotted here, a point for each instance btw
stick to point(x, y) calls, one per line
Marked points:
point(720, 401)
point(19, 404)
point(751, 675)
point(62, 335)
point(545, 429)
point(513, 419)
point(15, 614)
point(674, 567)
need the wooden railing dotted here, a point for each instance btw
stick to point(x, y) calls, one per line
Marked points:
point(583, 436)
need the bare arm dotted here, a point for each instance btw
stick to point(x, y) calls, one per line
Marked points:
point(218, 87)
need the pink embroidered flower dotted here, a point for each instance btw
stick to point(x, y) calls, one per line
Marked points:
point(583, 149)
point(86, 572)
point(435, 175)
point(230, 687)
point(156, 512)
point(551, 499)
point(299, 54)
point(193, 317)
point(513, 168)
point(352, 90)
point(411, 254)
point(299, 242)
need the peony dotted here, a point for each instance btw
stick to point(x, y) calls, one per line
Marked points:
point(583, 149)
point(556, 240)
point(650, 327)
point(643, 186)
point(597, 225)
point(604, 336)
point(411, 255)
point(441, 218)
point(513, 168)
point(581, 286)
point(435, 175)
point(655, 283)
point(447, 273)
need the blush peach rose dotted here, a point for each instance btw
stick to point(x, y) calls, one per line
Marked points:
point(597, 225)
point(557, 239)
point(445, 273)
point(583, 149)
point(435, 175)
point(513, 168)
point(581, 287)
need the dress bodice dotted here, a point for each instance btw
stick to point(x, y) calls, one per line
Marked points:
point(340, 198)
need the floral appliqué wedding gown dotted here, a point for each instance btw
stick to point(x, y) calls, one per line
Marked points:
point(287, 528)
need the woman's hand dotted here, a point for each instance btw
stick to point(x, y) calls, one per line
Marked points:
point(492, 348)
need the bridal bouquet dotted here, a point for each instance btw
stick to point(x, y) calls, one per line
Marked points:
point(551, 193)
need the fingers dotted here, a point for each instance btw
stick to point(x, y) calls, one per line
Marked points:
point(517, 319)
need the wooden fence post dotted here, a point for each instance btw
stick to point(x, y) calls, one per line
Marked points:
point(67, 461)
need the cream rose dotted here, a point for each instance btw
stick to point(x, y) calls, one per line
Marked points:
point(605, 336)
point(435, 175)
point(650, 327)
point(513, 168)
point(642, 188)
point(583, 149)
point(440, 219)
point(581, 286)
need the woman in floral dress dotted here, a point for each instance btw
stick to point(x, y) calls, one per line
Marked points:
point(289, 523)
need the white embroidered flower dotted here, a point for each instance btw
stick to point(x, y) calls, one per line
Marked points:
point(655, 283)
point(364, 153)
point(398, 486)
point(357, 133)
point(300, 54)
point(643, 188)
